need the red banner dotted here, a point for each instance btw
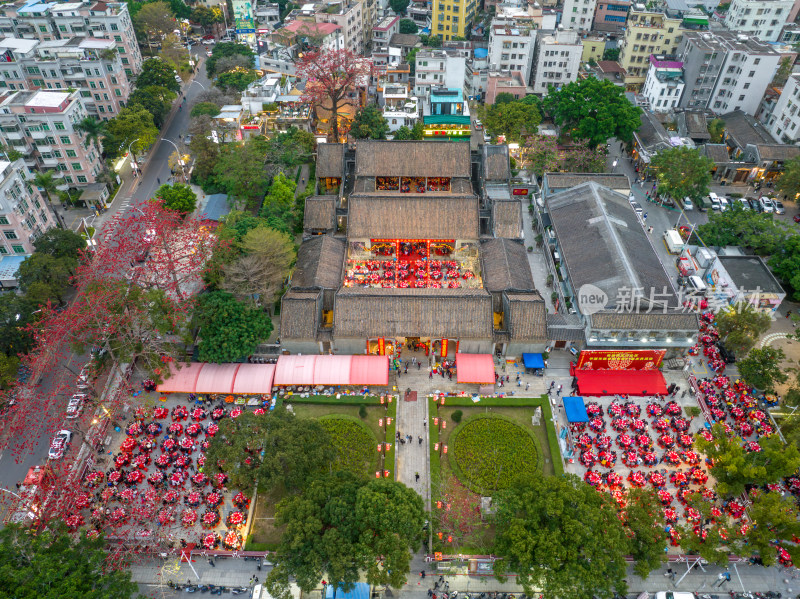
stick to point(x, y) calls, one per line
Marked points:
point(620, 359)
point(519, 191)
point(444, 348)
point(381, 347)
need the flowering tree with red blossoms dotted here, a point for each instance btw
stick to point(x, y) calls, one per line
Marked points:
point(133, 299)
point(457, 516)
point(331, 76)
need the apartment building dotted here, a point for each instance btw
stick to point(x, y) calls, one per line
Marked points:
point(350, 17)
point(611, 15)
point(664, 84)
point(439, 68)
point(647, 32)
point(24, 213)
point(92, 66)
point(558, 58)
point(452, 18)
point(511, 47)
point(784, 122)
point(400, 109)
point(725, 71)
point(41, 125)
point(382, 34)
point(64, 20)
point(267, 14)
point(578, 14)
point(420, 11)
point(763, 19)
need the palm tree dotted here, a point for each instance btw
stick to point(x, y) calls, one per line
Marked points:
point(93, 129)
point(46, 182)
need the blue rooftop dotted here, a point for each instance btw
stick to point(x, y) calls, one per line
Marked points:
point(455, 95)
point(217, 206)
point(9, 266)
point(481, 52)
point(36, 7)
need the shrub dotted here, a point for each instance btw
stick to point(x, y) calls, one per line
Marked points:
point(353, 443)
point(362, 411)
point(456, 416)
point(490, 452)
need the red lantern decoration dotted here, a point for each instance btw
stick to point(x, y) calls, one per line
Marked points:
point(377, 474)
point(436, 446)
point(444, 423)
point(380, 421)
point(385, 474)
point(445, 448)
point(436, 421)
point(380, 447)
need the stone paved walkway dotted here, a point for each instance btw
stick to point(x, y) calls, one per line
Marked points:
point(412, 457)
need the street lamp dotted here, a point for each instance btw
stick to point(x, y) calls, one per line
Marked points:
point(224, 16)
point(180, 158)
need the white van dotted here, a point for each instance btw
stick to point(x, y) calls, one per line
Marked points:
point(696, 285)
point(713, 199)
point(675, 595)
point(674, 241)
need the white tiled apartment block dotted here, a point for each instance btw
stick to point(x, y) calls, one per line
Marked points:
point(511, 47)
point(578, 14)
point(784, 123)
point(92, 66)
point(761, 18)
point(41, 125)
point(24, 213)
point(558, 58)
point(48, 21)
point(439, 68)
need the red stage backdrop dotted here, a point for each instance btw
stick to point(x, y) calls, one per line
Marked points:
point(620, 359)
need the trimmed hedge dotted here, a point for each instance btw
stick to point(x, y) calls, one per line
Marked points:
point(354, 443)
point(489, 452)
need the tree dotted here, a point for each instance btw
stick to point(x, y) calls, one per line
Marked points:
point(229, 63)
point(157, 100)
point(540, 154)
point(224, 50)
point(280, 450)
point(642, 520)
point(93, 130)
point(399, 6)
point(9, 367)
point(741, 327)
point(682, 172)
point(154, 20)
point(260, 273)
point(156, 71)
point(548, 532)
point(786, 264)
point(411, 59)
point(16, 314)
point(205, 151)
point(13, 155)
point(61, 244)
point(229, 330)
point(416, 132)
point(175, 54)
point(279, 203)
point(291, 148)
point(341, 526)
point(240, 171)
point(207, 108)
point(713, 538)
point(783, 72)
point(504, 98)
point(369, 123)
point(581, 158)
point(178, 197)
point(762, 369)
point(734, 467)
point(331, 76)
point(133, 126)
point(205, 16)
point(53, 563)
point(41, 268)
point(45, 181)
point(237, 79)
point(516, 120)
point(775, 518)
point(595, 110)
point(408, 26)
point(611, 54)
point(432, 41)
point(759, 232)
point(459, 517)
point(716, 129)
point(789, 181)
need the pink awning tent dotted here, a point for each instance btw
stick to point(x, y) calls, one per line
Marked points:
point(182, 378)
point(216, 378)
point(295, 370)
point(369, 370)
point(332, 370)
point(253, 379)
point(475, 368)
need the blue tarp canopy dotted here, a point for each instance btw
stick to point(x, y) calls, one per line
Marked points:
point(575, 409)
point(360, 591)
point(533, 360)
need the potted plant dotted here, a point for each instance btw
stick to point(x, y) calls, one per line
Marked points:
point(539, 240)
point(550, 280)
point(530, 249)
point(554, 297)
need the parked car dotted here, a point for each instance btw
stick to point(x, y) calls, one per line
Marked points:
point(209, 53)
point(210, 42)
point(724, 204)
point(741, 203)
point(754, 204)
point(687, 204)
point(779, 209)
point(486, 137)
point(637, 208)
point(478, 124)
point(766, 204)
point(797, 218)
point(208, 37)
point(59, 445)
point(713, 199)
point(187, 139)
point(75, 405)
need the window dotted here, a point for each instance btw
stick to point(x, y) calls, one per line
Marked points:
point(3, 249)
point(18, 249)
point(117, 92)
point(71, 154)
point(65, 139)
point(76, 166)
point(59, 126)
point(752, 74)
point(82, 179)
point(10, 234)
point(3, 220)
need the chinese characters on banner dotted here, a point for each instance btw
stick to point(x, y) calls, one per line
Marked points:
point(615, 359)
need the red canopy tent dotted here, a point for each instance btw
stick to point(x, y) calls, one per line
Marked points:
point(622, 382)
point(475, 368)
point(254, 378)
point(369, 370)
point(332, 370)
point(182, 378)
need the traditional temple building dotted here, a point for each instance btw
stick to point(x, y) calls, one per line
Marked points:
point(414, 244)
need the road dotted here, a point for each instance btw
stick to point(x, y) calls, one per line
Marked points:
point(52, 394)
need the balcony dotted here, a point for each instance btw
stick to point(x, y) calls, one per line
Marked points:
point(50, 162)
point(15, 135)
point(38, 134)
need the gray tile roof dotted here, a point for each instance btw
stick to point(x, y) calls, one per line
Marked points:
point(413, 216)
point(644, 321)
point(319, 263)
point(527, 318)
point(507, 217)
point(300, 311)
point(603, 243)
point(562, 181)
point(749, 273)
point(744, 129)
point(330, 160)
point(412, 159)
point(505, 267)
point(496, 162)
point(320, 213)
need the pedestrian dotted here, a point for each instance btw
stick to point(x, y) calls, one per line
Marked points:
point(558, 392)
point(211, 562)
point(519, 383)
point(421, 572)
point(397, 434)
point(420, 440)
point(720, 580)
point(668, 573)
point(430, 374)
point(788, 313)
point(424, 422)
point(644, 216)
point(430, 592)
point(405, 371)
point(527, 386)
point(552, 384)
point(419, 365)
point(650, 230)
